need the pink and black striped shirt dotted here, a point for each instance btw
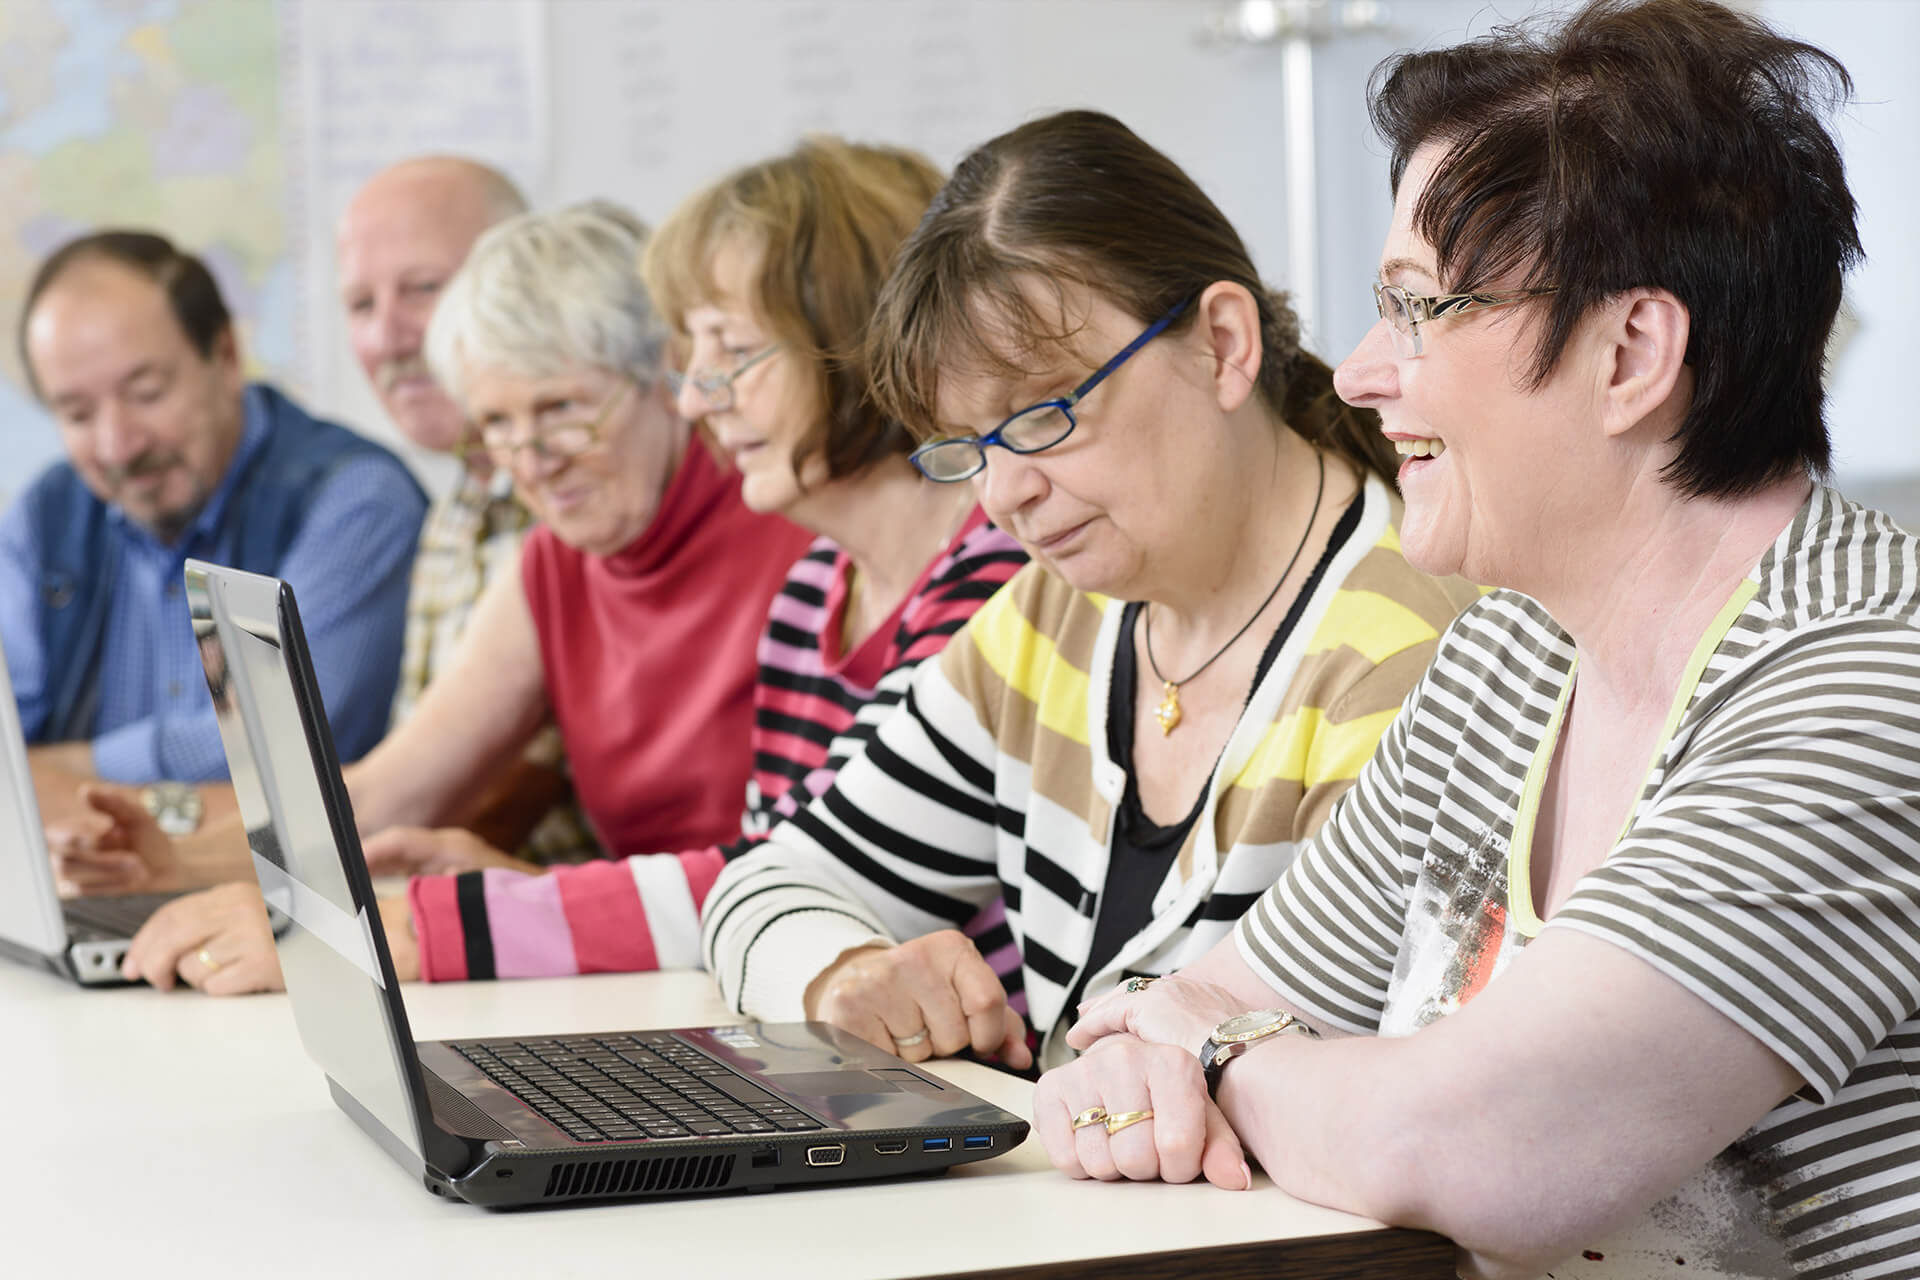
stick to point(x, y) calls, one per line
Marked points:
point(813, 709)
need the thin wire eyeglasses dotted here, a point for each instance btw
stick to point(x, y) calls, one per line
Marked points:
point(1032, 429)
point(1405, 312)
point(555, 440)
point(716, 387)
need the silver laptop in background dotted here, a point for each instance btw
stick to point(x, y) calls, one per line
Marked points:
point(82, 939)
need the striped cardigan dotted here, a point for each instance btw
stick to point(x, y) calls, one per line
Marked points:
point(994, 781)
point(813, 708)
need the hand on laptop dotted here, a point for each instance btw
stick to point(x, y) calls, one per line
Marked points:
point(218, 940)
point(418, 851)
point(113, 846)
point(931, 997)
point(1129, 1109)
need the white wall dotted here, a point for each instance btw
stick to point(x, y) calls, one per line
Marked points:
point(1869, 408)
point(642, 100)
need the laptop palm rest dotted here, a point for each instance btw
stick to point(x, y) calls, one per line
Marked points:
point(832, 1084)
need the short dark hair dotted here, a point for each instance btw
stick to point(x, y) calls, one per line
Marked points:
point(192, 295)
point(1079, 199)
point(1670, 144)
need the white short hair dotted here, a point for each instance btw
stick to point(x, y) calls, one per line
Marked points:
point(543, 294)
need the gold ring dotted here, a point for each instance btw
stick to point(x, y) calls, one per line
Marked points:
point(907, 1042)
point(207, 962)
point(1091, 1116)
point(1135, 985)
point(1121, 1119)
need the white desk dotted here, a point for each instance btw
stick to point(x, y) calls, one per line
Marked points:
point(157, 1135)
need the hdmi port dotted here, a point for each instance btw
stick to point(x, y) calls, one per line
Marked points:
point(890, 1148)
point(823, 1156)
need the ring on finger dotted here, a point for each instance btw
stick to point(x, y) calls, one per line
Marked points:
point(1122, 1119)
point(1091, 1116)
point(907, 1042)
point(207, 962)
point(1135, 985)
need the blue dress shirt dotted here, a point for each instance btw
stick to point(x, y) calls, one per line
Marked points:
point(349, 566)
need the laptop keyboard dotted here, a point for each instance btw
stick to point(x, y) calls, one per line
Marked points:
point(629, 1088)
point(118, 917)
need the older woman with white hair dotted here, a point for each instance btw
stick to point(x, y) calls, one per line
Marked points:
point(646, 556)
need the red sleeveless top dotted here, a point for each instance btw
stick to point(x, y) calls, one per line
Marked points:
point(649, 659)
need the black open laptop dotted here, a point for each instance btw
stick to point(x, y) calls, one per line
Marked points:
point(83, 939)
point(545, 1119)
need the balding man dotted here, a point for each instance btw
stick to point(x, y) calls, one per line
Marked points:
point(401, 239)
point(171, 453)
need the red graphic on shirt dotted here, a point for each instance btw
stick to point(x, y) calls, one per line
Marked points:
point(1479, 953)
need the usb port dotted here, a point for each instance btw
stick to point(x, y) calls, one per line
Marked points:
point(978, 1142)
point(890, 1148)
point(936, 1144)
point(821, 1157)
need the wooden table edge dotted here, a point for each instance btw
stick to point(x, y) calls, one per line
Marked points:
point(1366, 1255)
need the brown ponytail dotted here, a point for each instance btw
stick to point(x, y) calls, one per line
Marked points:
point(1300, 384)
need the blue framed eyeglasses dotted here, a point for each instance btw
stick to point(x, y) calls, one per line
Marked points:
point(1034, 428)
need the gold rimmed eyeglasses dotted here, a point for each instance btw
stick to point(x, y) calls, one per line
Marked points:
point(1405, 312)
point(561, 437)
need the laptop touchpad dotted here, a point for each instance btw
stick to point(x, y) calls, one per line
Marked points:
point(831, 1084)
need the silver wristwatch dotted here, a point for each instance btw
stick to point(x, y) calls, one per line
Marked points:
point(175, 807)
point(1241, 1032)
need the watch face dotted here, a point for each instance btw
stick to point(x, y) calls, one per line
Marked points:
point(176, 807)
point(1251, 1025)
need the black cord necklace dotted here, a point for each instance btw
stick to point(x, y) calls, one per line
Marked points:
point(1168, 712)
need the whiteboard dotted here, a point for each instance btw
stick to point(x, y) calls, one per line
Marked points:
point(643, 101)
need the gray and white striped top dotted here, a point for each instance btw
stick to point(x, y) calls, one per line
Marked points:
point(1771, 867)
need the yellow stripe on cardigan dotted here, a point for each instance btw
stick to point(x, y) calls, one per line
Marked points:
point(1028, 662)
point(1306, 748)
point(1373, 625)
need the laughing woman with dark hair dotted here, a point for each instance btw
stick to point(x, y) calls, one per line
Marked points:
point(1610, 962)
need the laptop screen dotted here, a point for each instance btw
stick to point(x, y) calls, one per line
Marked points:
point(286, 780)
point(29, 911)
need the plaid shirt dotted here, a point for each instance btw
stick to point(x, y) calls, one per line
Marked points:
point(467, 537)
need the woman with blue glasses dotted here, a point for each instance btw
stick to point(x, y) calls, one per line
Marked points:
point(1131, 739)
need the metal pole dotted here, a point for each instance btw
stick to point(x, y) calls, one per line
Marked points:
point(1303, 185)
point(1296, 25)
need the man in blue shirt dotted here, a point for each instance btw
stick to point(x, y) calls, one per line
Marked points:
point(171, 454)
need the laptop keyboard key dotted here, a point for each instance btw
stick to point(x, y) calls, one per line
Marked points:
point(746, 1092)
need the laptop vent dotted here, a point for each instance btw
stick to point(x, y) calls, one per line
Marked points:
point(580, 1178)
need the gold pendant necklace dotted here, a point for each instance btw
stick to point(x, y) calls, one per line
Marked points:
point(1168, 712)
